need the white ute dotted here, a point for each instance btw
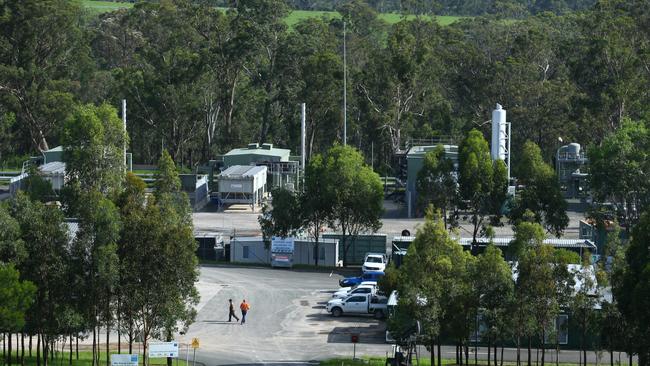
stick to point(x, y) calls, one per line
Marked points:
point(358, 304)
point(374, 262)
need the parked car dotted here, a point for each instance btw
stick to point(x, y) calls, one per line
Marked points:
point(359, 305)
point(374, 262)
point(348, 288)
point(361, 289)
point(367, 276)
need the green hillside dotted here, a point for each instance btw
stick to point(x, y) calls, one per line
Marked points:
point(97, 7)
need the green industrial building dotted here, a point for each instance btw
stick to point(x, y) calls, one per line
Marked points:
point(255, 154)
point(53, 154)
point(282, 170)
point(359, 246)
point(415, 161)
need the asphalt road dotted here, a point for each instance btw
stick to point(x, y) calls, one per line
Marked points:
point(287, 323)
point(393, 222)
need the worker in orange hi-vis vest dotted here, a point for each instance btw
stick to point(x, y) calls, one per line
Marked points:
point(244, 307)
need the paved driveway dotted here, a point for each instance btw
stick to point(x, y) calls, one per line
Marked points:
point(287, 322)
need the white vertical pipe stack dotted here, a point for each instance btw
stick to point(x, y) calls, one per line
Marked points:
point(499, 134)
point(508, 161)
point(126, 163)
point(500, 147)
point(303, 134)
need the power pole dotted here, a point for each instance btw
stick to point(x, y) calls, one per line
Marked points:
point(345, 91)
point(126, 163)
point(303, 134)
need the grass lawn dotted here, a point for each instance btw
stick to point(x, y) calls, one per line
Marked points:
point(373, 361)
point(85, 359)
point(424, 361)
point(97, 7)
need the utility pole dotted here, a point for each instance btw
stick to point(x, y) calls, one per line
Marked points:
point(126, 163)
point(303, 134)
point(345, 91)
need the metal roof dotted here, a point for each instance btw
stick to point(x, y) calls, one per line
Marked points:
point(208, 234)
point(243, 171)
point(557, 243)
point(417, 152)
point(272, 151)
point(52, 168)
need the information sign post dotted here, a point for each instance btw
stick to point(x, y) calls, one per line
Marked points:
point(163, 349)
point(195, 345)
point(354, 338)
point(282, 252)
point(124, 360)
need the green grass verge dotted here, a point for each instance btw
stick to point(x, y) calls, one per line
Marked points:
point(97, 7)
point(86, 359)
point(373, 361)
point(424, 361)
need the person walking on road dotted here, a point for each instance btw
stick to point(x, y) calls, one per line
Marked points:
point(231, 311)
point(244, 307)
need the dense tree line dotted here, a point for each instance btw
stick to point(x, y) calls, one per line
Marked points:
point(450, 292)
point(479, 189)
point(127, 263)
point(201, 80)
point(450, 7)
point(519, 300)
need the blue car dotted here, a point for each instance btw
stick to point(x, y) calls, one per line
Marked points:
point(368, 276)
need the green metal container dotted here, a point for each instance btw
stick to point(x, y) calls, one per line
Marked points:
point(359, 246)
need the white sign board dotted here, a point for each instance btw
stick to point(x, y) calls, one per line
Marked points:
point(124, 360)
point(163, 349)
point(236, 186)
point(282, 245)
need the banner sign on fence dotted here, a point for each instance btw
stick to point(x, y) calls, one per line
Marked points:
point(282, 245)
point(163, 349)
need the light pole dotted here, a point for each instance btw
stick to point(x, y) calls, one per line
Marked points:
point(345, 91)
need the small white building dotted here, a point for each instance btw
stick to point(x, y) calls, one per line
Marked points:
point(253, 250)
point(242, 184)
point(53, 172)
